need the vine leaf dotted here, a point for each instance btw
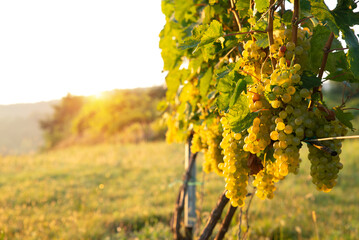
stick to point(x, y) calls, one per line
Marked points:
point(243, 8)
point(173, 81)
point(225, 71)
point(322, 12)
point(344, 117)
point(239, 116)
point(240, 87)
point(189, 43)
point(310, 80)
point(345, 18)
point(205, 82)
point(262, 5)
point(341, 19)
point(318, 40)
point(225, 88)
point(353, 53)
point(214, 31)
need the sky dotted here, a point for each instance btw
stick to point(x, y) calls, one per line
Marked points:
point(49, 48)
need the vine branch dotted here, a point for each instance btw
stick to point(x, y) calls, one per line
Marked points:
point(215, 216)
point(294, 21)
point(235, 14)
point(337, 49)
point(270, 29)
point(326, 51)
point(226, 222)
point(304, 19)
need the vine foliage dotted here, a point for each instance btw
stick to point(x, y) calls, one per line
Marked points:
point(245, 77)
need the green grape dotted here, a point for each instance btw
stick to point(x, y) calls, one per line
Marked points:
point(290, 46)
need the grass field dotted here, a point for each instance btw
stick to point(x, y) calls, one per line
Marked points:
point(128, 192)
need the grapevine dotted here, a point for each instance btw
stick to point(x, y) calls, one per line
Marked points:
point(245, 78)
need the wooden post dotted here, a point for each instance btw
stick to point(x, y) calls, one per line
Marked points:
point(190, 217)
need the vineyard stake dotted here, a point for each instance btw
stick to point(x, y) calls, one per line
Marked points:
point(190, 216)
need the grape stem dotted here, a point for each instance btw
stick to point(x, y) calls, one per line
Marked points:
point(235, 14)
point(279, 2)
point(225, 56)
point(303, 19)
point(337, 49)
point(282, 11)
point(270, 29)
point(348, 98)
point(249, 32)
point(249, 74)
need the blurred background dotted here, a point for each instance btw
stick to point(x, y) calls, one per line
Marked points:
point(82, 151)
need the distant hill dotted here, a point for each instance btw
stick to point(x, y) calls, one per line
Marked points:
point(19, 126)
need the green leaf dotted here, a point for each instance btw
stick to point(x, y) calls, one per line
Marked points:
point(322, 13)
point(268, 154)
point(214, 31)
point(198, 31)
point(167, 8)
point(169, 37)
point(287, 17)
point(309, 80)
point(190, 43)
point(341, 75)
point(304, 6)
point(173, 81)
point(225, 71)
point(262, 40)
point(223, 101)
point(344, 117)
point(204, 82)
point(226, 84)
point(182, 8)
point(317, 42)
point(240, 87)
point(353, 52)
point(239, 115)
point(243, 8)
point(345, 18)
point(261, 5)
point(226, 87)
point(344, 14)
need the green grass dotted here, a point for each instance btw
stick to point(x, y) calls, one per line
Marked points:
point(128, 192)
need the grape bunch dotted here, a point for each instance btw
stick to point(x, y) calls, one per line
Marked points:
point(207, 139)
point(325, 165)
point(285, 118)
point(235, 168)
